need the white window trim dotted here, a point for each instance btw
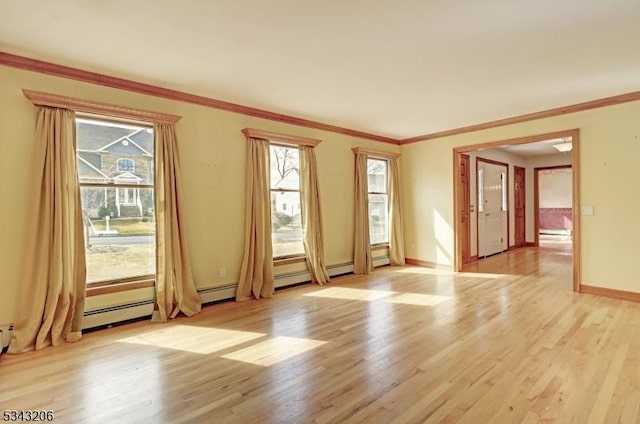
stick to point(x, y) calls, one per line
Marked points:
point(383, 193)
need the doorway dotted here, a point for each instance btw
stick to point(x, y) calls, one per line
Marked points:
point(553, 201)
point(461, 233)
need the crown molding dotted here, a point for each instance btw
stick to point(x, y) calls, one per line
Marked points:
point(53, 69)
point(79, 105)
point(564, 110)
point(48, 68)
point(280, 138)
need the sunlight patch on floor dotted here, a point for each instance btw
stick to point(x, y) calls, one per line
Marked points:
point(202, 340)
point(424, 271)
point(472, 274)
point(434, 271)
point(418, 299)
point(350, 294)
point(274, 350)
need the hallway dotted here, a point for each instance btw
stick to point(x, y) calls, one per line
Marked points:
point(553, 259)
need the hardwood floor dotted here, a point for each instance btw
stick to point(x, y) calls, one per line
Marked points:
point(402, 345)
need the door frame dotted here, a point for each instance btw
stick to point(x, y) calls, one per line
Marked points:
point(465, 194)
point(575, 161)
point(477, 208)
point(536, 199)
point(515, 211)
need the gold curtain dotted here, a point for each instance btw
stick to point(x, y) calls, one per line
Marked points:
point(175, 289)
point(256, 275)
point(311, 216)
point(362, 262)
point(396, 237)
point(51, 299)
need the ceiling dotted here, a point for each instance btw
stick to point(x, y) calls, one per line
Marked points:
point(538, 148)
point(393, 68)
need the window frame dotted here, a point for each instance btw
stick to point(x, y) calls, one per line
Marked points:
point(387, 156)
point(108, 113)
point(95, 288)
point(295, 257)
point(384, 193)
point(285, 140)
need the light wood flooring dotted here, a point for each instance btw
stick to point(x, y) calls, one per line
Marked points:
point(402, 345)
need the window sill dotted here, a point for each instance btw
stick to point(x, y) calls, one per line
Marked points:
point(98, 290)
point(380, 246)
point(289, 260)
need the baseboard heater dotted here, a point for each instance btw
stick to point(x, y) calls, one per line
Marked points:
point(109, 315)
point(125, 312)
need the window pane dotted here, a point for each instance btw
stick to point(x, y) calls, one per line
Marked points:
point(286, 223)
point(377, 175)
point(481, 190)
point(285, 167)
point(378, 218)
point(114, 153)
point(119, 238)
point(503, 182)
point(126, 165)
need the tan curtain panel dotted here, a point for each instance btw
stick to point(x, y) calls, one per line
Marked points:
point(51, 299)
point(312, 233)
point(362, 262)
point(396, 237)
point(175, 288)
point(256, 275)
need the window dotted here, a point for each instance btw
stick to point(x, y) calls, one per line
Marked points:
point(503, 188)
point(126, 165)
point(117, 195)
point(286, 223)
point(378, 201)
point(480, 190)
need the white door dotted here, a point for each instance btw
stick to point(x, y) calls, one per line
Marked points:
point(492, 208)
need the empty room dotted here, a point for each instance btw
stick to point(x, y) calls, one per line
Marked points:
point(339, 212)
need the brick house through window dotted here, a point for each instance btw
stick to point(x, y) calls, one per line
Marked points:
point(119, 155)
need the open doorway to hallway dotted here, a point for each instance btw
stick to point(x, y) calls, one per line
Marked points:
point(553, 208)
point(519, 173)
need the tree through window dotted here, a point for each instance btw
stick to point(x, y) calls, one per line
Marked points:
point(378, 201)
point(286, 224)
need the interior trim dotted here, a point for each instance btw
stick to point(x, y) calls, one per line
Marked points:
point(612, 293)
point(376, 153)
point(280, 138)
point(427, 264)
point(115, 288)
point(79, 105)
point(48, 68)
point(536, 198)
point(289, 261)
point(575, 160)
point(548, 113)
